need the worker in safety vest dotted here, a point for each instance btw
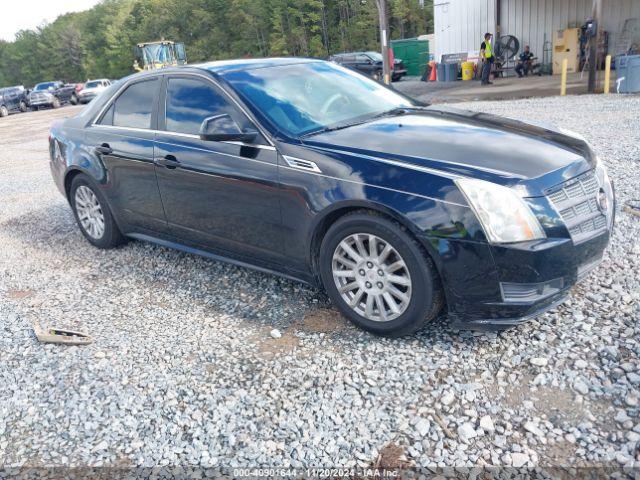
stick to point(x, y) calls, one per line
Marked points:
point(486, 54)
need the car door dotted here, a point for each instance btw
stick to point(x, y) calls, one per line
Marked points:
point(12, 98)
point(365, 64)
point(122, 136)
point(218, 195)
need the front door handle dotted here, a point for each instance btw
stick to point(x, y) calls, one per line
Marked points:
point(168, 161)
point(104, 149)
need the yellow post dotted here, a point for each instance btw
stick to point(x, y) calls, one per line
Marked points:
point(563, 80)
point(607, 73)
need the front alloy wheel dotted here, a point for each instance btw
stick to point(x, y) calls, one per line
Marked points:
point(372, 277)
point(378, 275)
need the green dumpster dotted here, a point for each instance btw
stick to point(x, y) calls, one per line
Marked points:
point(414, 54)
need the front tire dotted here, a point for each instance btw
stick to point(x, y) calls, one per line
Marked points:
point(56, 102)
point(3, 111)
point(23, 107)
point(74, 99)
point(92, 213)
point(378, 275)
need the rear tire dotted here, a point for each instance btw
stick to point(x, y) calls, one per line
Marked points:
point(74, 99)
point(3, 111)
point(414, 287)
point(23, 107)
point(92, 214)
point(56, 102)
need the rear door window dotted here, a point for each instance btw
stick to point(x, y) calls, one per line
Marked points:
point(134, 107)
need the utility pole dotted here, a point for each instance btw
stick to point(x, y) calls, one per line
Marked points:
point(594, 41)
point(384, 39)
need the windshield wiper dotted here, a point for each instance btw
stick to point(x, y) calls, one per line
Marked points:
point(394, 112)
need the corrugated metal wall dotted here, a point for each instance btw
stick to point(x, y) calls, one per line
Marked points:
point(460, 24)
point(530, 20)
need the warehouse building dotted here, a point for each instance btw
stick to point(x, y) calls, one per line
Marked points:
point(460, 24)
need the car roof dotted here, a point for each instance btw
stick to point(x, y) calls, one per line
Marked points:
point(222, 66)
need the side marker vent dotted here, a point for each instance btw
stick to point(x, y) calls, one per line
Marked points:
point(301, 164)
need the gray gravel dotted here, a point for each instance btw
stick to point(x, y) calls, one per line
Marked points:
point(187, 369)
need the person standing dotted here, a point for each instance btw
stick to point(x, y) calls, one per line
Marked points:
point(486, 54)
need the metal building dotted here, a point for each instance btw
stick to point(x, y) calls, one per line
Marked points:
point(460, 24)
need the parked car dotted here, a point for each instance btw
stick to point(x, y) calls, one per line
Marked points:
point(92, 88)
point(52, 94)
point(308, 169)
point(369, 63)
point(13, 99)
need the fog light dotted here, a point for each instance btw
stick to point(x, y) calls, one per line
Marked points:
point(530, 292)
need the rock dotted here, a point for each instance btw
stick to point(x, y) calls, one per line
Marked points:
point(275, 333)
point(581, 364)
point(519, 459)
point(487, 424)
point(533, 428)
point(539, 361)
point(466, 432)
point(631, 400)
point(580, 386)
point(634, 378)
point(633, 437)
point(422, 427)
point(621, 416)
point(447, 398)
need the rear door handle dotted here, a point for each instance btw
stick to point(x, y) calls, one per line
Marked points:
point(168, 161)
point(104, 149)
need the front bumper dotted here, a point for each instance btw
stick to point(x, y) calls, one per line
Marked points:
point(474, 276)
point(41, 103)
point(87, 97)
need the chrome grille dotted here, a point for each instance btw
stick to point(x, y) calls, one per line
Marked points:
point(576, 201)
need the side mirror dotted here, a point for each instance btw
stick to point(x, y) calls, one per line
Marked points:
point(222, 128)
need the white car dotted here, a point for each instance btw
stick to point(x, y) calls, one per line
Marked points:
point(92, 88)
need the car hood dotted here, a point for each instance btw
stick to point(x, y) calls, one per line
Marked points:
point(469, 144)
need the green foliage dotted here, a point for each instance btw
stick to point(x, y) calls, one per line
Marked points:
point(99, 42)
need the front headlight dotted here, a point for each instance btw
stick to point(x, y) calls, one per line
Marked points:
point(503, 215)
point(606, 199)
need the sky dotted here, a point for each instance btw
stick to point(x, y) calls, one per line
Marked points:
point(28, 14)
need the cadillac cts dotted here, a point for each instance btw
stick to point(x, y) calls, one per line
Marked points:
point(306, 169)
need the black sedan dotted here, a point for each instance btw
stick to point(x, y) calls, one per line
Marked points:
point(369, 63)
point(311, 171)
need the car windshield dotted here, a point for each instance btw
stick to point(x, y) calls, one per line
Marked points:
point(376, 56)
point(303, 98)
point(44, 86)
point(93, 84)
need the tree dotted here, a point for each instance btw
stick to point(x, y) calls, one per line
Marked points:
point(99, 42)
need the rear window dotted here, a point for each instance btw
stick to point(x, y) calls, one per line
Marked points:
point(134, 107)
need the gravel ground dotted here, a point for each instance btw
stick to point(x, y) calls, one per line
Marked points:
point(184, 369)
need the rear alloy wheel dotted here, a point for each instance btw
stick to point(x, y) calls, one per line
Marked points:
point(378, 275)
point(92, 214)
point(3, 111)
